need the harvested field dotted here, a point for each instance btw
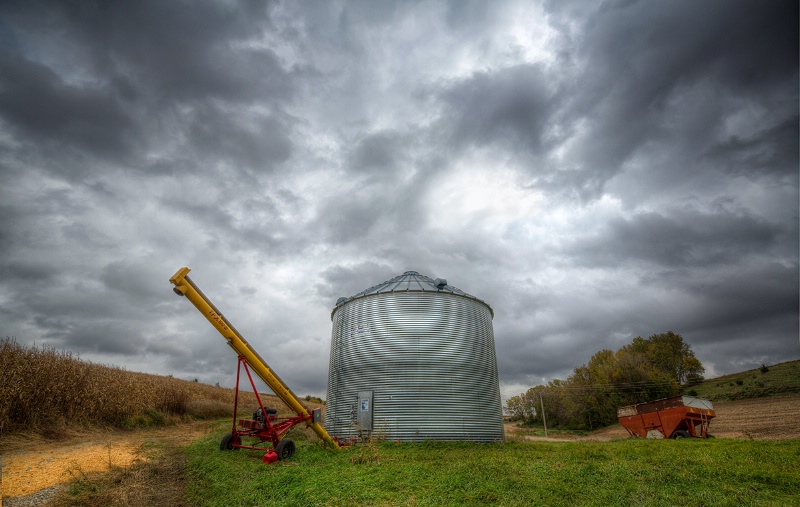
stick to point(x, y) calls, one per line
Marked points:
point(771, 418)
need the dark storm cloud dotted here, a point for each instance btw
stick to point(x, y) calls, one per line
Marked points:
point(18, 268)
point(384, 206)
point(593, 171)
point(219, 228)
point(98, 337)
point(130, 71)
point(380, 152)
point(123, 279)
point(242, 139)
point(43, 109)
point(638, 63)
point(752, 293)
point(770, 151)
point(353, 217)
point(746, 345)
point(345, 281)
point(173, 50)
point(22, 271)
point(677, 239)
point(81, 318)
point(514, 362)
point(510, 107)
point(744, 46)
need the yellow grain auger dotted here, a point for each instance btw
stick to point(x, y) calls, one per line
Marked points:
point(264, 428)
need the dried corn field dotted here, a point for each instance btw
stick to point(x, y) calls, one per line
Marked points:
point(42, 389)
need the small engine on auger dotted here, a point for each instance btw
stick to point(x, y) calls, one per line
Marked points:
point(265, 428)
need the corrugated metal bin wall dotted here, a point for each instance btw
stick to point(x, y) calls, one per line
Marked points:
point(428, 356)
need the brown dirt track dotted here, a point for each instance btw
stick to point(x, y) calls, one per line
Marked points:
point(33, 469)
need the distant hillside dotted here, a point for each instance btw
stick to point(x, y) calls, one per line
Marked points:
point(782, 378)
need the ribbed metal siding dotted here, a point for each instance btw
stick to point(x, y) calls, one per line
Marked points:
point(428, 357)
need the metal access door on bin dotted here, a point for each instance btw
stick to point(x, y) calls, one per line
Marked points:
point(365, 410)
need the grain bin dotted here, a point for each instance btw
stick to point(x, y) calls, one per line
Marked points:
point(413, 359)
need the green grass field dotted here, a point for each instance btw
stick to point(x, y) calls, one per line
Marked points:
point(625, 472)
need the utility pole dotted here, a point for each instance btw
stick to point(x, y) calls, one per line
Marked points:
point(544, 419)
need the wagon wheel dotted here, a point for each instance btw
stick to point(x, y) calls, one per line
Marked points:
point(285, 449)
point(228, 441)
point(681, 434)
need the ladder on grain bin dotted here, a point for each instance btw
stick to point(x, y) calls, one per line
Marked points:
point(676, 417)
point(265, 427)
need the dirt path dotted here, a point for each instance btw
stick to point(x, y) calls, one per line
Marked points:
point(32, 464)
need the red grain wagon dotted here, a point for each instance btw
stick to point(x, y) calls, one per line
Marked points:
point(678, 417)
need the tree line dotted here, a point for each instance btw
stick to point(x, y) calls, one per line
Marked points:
point(644, 370)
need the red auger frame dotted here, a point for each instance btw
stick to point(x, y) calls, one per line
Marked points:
point(265, 427)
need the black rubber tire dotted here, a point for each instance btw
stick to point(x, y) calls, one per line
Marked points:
point(681, 434)
point(285, 449)
point(227, 443)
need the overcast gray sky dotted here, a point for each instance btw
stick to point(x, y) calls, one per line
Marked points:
point(594, 171)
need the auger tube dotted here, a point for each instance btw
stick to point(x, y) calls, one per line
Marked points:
point(185, 287)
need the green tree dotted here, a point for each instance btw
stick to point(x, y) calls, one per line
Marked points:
point(644, 370)
point(692, 370)
point(594, 391)
point(638, 380)
point(559, 405)
point(515, 407)
point(666, 354)
point(670, 354)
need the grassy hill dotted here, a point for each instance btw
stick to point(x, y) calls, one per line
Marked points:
point(782, 378)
